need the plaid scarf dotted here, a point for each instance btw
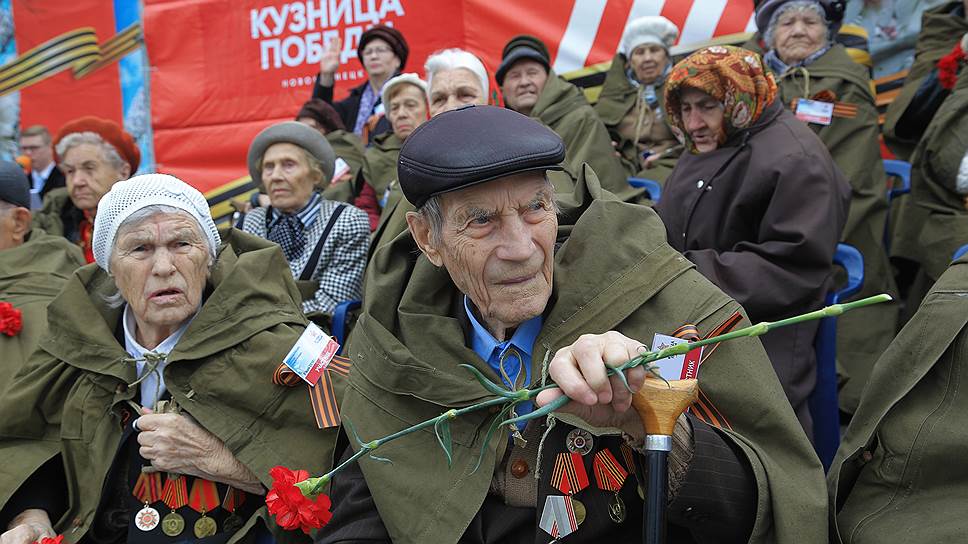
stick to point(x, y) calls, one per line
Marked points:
point(288, 229)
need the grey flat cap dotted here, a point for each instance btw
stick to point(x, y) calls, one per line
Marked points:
point(14, 185)
point(294, 133)
point(471, 145)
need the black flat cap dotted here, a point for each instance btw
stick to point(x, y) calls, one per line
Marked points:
point(471, 145)
point(522, 47)
point(14, 185)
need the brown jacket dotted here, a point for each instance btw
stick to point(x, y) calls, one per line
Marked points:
point(761, 217)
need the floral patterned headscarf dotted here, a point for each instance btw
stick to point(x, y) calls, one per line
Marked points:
point(732, 75)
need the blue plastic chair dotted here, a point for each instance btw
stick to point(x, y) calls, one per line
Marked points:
point(959, 252)
point(339, 320)
point(901, 170)
point(651, 186)
point(823, 403)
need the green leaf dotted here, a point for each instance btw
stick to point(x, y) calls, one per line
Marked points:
point(486, 383)
point(381, 459)
point(540, 412)
point(442, 430)
point(349, 425)
point(495, 425)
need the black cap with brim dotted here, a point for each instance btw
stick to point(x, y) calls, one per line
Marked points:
point(472, 145)
point(14, 185)
point(516, 54)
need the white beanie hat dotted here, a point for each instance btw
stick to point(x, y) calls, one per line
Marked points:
point(410, 78)
point(649, 29)
point(139, 192)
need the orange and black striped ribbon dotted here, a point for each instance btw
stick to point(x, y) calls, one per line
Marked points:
point(703, 408)
point(204, 496)
point(687, 332)
point(148, 487)
point(234, 498)
point(629, 457)
point(322, 396)
point(175, 493)
point(845, 110)
point(609, 474)
point(569, 475)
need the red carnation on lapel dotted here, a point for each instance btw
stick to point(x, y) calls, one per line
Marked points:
point(948, 67)
point(292, 509)
point(10, 319)
point(47, 540)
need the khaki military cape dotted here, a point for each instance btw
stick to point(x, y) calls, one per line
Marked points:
point(933, 222)
point(49, 217)
point(613, 271)
point(616, 101)
point(68, 397)
point(31, 275)
point(900, 475)
point(563, 108)
point(348, 147)
point(380, 162)
point(863, 334)
point(940, 31)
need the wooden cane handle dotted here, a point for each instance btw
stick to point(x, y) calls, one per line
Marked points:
point(659, 405)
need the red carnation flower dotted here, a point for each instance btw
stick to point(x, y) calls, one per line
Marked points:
point(47, 540)
point(292, 509)
point(11, 320)
point(948, 67)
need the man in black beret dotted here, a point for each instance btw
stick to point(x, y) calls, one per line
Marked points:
point(495, 273)
point(531, 87)
point(33, 267)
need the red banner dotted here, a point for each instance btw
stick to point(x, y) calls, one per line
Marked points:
point(221, 70)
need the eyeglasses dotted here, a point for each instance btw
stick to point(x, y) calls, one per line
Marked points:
point(376, 50)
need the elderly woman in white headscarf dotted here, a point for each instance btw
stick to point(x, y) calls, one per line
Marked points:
point(631, 102)
point(819, 82)
point(148, 411)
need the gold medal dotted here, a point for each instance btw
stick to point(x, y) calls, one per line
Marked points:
point(579, 509)
point(616, 509)
point(147, 518)
point(173, 524)
point(205, 526)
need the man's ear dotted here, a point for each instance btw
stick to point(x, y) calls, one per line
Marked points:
point(420, 230)
point(21, 222)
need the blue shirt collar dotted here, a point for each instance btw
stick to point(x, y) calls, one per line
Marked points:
point(486, 346)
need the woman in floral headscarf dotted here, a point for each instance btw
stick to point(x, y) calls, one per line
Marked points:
point(756, 202)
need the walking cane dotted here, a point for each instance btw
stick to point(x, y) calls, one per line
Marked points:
point(659, 406)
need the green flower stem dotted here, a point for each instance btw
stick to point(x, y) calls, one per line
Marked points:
point(313, 486)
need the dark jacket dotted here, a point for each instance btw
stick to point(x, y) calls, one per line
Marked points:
point(59, 216)
point(53, 181)
point(900, 472)
point(349, 107)
point(761, 216)
point(613, 271)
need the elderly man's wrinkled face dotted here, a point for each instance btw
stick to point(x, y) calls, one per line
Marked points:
point(648, 62)
point(451, 89)
point(89, 175)
point(497, 244)
point(287, 177)
point(407, 109)
point(160, 266)
point(702, 118)
point(797, 34)
point(523, 84)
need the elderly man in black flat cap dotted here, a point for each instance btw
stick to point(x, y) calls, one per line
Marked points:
point(531, 87)
point(33, 267)
point(496, 273)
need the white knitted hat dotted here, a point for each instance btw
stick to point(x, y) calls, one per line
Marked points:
point(139, 192)
point(410, 78)
point(649, 29)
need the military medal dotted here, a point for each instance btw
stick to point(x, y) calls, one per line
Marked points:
point(204, 498)
point(233, 499)
point(579, 441)
point(610, 476)
point(569, 475)
point(148, 490)
point(558, 518)
point(175, 495)
point(580, 511)
point(629, 457)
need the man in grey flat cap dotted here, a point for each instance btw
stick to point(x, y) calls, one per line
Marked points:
point(33, 267)
point(493, 272)
point(325, 242)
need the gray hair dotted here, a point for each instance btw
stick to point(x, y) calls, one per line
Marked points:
point(75, 139)
point(797, 6)
point(452, 59)
point(433, 214)
point(115, 300)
